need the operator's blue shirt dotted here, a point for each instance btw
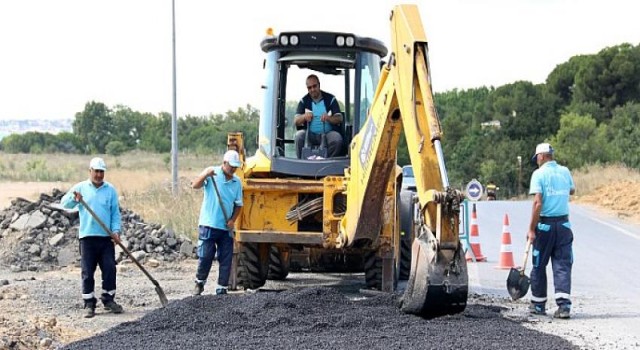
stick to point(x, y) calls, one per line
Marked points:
point(231, 194)
point(555, 183)
point(327, 104)
point(317, 126)
point(102, 200)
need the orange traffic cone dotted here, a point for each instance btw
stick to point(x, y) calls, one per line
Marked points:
point(506, 255)
point(474, 239)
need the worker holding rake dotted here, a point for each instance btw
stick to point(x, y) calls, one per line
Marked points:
point(96, 245)
point(221, 204)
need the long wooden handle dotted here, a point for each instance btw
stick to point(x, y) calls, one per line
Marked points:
point(111, 234)
point(224, 212)
point(526, 255)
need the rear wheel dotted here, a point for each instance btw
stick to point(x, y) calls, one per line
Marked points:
point(253, 265)
point(373, 271)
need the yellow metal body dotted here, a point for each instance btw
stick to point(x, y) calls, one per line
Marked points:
point(359, 209)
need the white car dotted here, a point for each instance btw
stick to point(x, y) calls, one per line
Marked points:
point(408, 181)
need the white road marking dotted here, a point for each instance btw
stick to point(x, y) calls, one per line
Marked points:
point(617, 228)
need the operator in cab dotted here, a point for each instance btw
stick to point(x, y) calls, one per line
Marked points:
point(319, 111)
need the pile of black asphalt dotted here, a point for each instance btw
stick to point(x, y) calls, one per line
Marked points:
point(315, 318)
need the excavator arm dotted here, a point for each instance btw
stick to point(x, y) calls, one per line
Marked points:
point(403, 102)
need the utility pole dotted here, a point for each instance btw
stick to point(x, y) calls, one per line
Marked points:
point(174, 116)
point(519, 175)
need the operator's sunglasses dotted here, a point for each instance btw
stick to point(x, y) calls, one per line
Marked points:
point(312, 86)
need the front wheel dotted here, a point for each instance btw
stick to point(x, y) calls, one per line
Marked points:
point(253, 265)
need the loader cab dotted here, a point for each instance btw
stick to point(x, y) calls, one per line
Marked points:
point(347, 66)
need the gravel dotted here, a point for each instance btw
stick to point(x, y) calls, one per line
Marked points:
point(318, 318)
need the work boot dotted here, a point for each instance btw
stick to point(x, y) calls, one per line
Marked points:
point(91, 309)
point(563, 312)
point(113, 307)
point(537, 309)
point(198, 288)
point(220, 291)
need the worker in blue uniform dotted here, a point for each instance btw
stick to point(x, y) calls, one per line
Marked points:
point(550, 231)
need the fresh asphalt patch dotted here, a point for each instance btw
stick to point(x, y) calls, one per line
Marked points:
point(315, 318)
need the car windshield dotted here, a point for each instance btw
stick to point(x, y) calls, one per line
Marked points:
point(407, 171)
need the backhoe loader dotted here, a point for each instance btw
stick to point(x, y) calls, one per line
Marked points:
point(347, 212)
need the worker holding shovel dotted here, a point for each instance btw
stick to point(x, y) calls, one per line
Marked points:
point(96, 245)
point(550, 231)
point(221, 204)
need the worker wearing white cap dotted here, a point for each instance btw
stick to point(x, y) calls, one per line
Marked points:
point(550, 232)
point(221, 204)
point(96, 245)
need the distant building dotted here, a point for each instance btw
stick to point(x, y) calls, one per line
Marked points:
point(51, 126)
point(494, 124)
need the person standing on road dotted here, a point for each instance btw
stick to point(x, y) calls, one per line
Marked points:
point(550, 231)
point(96, 246)
point(218, 215)
point(492, 189)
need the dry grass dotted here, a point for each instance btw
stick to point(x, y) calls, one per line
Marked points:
point(143, 181)
point(590, 179)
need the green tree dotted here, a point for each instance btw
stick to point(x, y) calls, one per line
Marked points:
point(94, 126)
point(156, 136)
point(611, 78)
point(623, 135)
point(561, 80)
point(128, 126)
point(580, 141)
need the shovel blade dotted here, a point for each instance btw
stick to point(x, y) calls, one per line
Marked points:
point(517, 283)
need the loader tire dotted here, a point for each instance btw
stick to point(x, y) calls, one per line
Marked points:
point(373, 271)
point(278, 264)
point(405, 260)
point(406, 208)
point(253, 265)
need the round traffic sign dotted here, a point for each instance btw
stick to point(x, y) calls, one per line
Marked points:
point(474, 190)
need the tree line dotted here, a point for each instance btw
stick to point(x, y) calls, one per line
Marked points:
point(99, 129)
point(588, 108)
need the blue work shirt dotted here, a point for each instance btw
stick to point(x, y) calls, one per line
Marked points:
point(327, 104)
point(231, 194)
point(317, 126)
point(102, 200)
point(555, 183)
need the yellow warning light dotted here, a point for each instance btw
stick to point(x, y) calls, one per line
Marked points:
point(270, 31)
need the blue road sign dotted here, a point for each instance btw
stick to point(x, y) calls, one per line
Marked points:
point(474, 190)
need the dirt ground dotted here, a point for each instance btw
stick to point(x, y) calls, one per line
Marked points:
point(621, 199)
point(43, 310)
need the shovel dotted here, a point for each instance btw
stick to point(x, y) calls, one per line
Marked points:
point(163, 297)
point(517, 282)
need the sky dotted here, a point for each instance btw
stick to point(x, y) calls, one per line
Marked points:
point(55, 56)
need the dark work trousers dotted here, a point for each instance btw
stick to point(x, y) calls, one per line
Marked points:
point(209, 240)
point(553, 241)
point(334, 142)
point(98, 251)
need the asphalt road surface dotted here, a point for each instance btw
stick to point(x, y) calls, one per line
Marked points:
point(605, 286)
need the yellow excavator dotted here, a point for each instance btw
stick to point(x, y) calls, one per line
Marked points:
point(348, 212)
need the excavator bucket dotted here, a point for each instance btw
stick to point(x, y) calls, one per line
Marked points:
point(438, 282)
